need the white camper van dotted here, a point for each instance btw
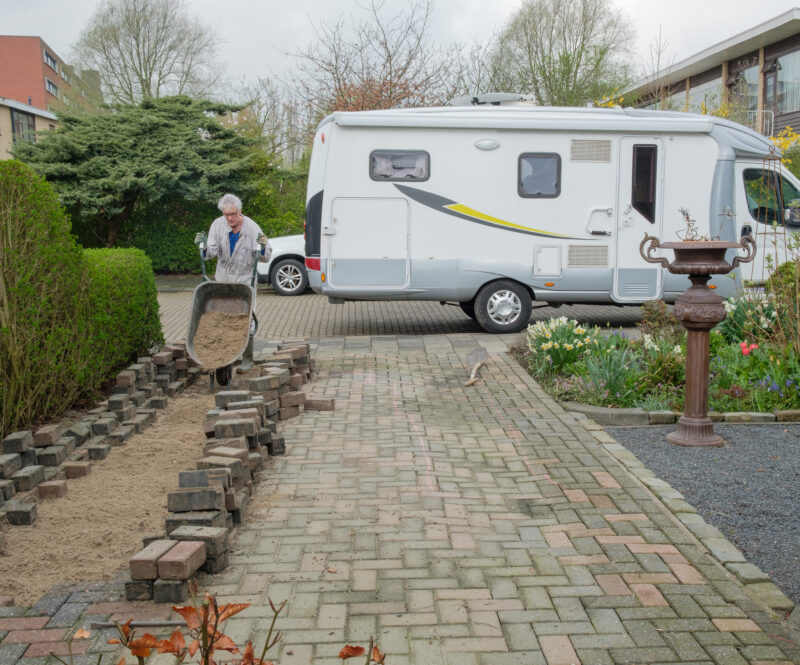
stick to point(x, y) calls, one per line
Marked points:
point(494, 207)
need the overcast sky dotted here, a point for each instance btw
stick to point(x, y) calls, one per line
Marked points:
point(254, 34)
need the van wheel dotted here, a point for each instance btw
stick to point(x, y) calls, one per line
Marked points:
point(468, 308)
point(289, 277)
point(503, 307)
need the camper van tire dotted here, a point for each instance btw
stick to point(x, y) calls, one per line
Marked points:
point(503, 307)
point(468, 308)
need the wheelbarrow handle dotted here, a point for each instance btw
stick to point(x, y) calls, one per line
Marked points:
point(202, 249)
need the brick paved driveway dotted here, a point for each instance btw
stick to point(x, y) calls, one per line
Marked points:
point(472, 525)
point(311, 315)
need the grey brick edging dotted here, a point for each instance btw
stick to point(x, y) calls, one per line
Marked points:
point(634, 417)
point(755, 583)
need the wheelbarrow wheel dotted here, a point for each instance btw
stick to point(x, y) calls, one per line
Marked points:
point(223, 375)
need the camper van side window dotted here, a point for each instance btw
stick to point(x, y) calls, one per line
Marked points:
point(539, 175)
point(643, 192)
point(405, 165)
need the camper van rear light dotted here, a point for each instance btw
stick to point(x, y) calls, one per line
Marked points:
point(313, 264)
point(322, 277)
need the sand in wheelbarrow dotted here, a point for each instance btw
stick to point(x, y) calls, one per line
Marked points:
point(220, 337)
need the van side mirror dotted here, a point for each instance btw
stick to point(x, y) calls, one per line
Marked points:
point(747, 230)
point(791, 216)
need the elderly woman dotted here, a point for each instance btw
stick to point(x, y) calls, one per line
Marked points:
point(234, 239)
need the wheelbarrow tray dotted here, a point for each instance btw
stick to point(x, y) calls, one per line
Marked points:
point(230, 298)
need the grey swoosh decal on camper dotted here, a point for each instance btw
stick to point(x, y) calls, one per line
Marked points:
point(450, 207)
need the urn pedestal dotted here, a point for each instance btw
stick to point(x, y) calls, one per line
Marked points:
point(698, 309)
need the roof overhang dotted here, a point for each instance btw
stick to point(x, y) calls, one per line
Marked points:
point(764, 34)
point(27, 108)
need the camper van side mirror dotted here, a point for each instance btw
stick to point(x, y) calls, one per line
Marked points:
point(792, 216)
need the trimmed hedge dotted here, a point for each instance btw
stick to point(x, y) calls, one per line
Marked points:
point(124, 308)
point(68, 321)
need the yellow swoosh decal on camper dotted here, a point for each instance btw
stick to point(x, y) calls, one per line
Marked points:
point(465, 210)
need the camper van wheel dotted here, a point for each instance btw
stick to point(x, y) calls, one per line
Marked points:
point(503, 307)
point(468, 308)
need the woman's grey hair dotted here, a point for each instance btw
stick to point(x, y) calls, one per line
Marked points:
point(230, 201)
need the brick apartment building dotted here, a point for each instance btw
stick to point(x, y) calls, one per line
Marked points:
point(756, 74)
point(32, 73)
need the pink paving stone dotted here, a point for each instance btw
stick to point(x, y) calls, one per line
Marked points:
point(52, 489)
point(648, 595)
point(605, 479)
point(624, 540)
point(24, 623)
point(674, 557)
point(626, 517)
point(649, 548)
point(576, 496)
point(735, 625)
point(558, 650)
point(182, 560)
point(602, 501)
point(687, 573)
point(32, 636)
point(558, 539)
point(613, 585)
point(144, 564)
point(462, 541)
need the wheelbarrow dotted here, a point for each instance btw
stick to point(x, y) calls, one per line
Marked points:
point(229, 298)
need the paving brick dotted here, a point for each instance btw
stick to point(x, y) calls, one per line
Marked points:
point(292, 399)
point(182, 560)
point(319, 403)
point(558, 650)
point(10, 463)
point(225, 397)
point(284, 413)
point(144, 564)
point(19, 513)
point(47, 435)
point(76, 469)
point(194, 518)
point(28, 477)
point(735, 625)
point(51, 456)
point(52, 489)
point(162, 358)
point(230, 463)
point(200, 498)
point(17, 442)
point(214, 538)
point(98, 450)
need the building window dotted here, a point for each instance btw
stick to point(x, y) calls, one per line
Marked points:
point(643, 191)
point(52, 88)
point(51, 61)
point(744, 89)
point(23, 126)
point(405, 165)
point(705, 97)
point(787, 84)
point(64, 75)
point(539, 175)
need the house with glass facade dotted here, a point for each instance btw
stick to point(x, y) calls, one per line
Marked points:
point(753, 78)
point(20, 122)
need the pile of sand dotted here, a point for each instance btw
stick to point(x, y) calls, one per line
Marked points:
point(220, 338)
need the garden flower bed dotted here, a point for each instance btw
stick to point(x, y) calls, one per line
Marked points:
point(754, 365)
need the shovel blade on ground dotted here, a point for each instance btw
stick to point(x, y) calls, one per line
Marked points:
point(476, 356)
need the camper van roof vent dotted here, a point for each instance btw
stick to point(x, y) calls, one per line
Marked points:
point(583, 150)
point(587, 256)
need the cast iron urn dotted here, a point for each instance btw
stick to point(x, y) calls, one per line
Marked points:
point(698, 309)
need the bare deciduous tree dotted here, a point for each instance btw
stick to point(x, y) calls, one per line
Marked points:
point(148, 48)
point(565, 52)
point(381, 62)
point(657, 70)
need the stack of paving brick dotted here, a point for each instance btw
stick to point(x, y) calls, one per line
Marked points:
point(36, 465)
point(282, 376)
point(161, 571)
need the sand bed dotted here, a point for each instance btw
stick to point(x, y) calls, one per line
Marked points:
point(89, 534)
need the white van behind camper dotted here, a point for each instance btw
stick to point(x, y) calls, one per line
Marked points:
point(496, 207)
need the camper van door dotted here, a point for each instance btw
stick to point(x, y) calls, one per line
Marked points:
point(639, 211)
point(369, 243)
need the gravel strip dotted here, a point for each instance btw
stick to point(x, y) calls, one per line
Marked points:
point(749, 489)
